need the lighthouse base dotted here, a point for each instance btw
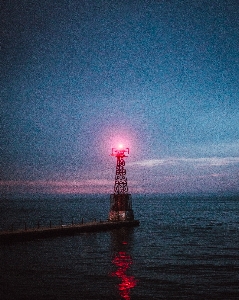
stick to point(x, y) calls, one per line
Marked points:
point(121, 207)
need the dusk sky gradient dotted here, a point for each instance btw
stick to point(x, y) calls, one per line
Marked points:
point(79, 77)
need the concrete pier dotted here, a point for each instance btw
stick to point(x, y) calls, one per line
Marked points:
point(8, 237)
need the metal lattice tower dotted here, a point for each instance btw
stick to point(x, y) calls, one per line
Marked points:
point(121, 186)
point(120, 201)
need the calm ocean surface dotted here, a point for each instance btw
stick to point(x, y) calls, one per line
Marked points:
point(186, 247)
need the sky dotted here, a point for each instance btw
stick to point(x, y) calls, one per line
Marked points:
point(79, 77)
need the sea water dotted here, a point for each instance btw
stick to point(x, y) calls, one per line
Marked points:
point(186, 247)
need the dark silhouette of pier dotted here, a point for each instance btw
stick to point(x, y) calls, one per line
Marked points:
point(23, 235)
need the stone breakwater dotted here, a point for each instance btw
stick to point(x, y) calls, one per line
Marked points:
point(62, 230)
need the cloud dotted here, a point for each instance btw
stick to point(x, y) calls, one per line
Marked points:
point(58, 187)
point(197, 162)
point(154, 162)
point(172, 174)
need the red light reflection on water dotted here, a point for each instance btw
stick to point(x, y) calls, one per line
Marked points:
point(123, 261)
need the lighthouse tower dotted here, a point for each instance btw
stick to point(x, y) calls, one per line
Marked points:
point(120, 201)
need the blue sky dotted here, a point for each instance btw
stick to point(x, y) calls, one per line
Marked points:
point(79, 77)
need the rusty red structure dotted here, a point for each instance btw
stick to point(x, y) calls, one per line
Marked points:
point(121, 200)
